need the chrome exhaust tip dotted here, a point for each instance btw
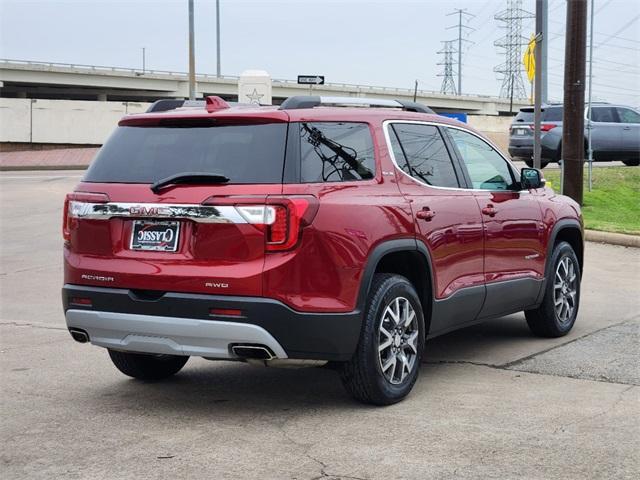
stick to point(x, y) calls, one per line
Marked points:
point(252, 352)
point(79, 335)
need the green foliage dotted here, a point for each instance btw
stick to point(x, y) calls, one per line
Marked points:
point(614, 203)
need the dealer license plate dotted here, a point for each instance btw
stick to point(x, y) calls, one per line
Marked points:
point(156, 236)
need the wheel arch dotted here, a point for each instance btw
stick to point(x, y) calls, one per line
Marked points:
point(407, 257)
point(570, 231)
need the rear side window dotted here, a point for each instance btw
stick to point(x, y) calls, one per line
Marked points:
point(628, 116)
point(603, 114)
point(552, 114)
point(335, 152)
point(243, 153)
point(427, 158)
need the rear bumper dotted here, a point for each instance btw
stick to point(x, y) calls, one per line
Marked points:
point(521, 151)
point(180, 324)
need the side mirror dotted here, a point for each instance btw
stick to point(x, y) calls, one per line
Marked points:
point(531, 178)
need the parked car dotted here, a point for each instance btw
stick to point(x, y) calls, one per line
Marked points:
point(309, 233)
point(615, 135)
point(521, 131)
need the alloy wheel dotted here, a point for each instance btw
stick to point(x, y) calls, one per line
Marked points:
point(398, 340)
point(565, 290)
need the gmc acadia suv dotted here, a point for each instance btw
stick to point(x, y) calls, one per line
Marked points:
point(317, 232)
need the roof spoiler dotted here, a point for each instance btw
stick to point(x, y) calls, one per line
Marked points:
point(211, 103)
point(311, 101)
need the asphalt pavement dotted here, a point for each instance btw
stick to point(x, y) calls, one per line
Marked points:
point(492, 401)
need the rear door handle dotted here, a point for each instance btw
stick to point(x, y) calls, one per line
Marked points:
point(426, 214)
point(489, 210)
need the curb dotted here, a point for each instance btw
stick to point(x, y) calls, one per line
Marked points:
point(621, 239)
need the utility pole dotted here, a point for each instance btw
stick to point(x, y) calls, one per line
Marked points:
point(192, 60)
point(461, 12)
point(574, 79)
point(589, 126)
point(448, 84)
point(415, 91)
point(512, 43)
point(218, 37)
point(539, 73)
point(143, 59)
point(544, 94)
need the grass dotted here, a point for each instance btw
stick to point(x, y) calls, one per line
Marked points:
point(613, 205)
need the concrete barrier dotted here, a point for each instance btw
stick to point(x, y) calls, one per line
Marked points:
point(24, 120)
point(494, 127)
point(61, 121)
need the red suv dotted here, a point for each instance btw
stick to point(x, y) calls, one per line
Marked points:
point(340, 230)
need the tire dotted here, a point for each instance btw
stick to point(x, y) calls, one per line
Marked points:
point(147, 367)
point(363, 376)
point(562, 285)
point(631, 163)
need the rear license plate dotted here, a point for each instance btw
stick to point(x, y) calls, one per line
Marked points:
point(520, 131)
point(156, 236)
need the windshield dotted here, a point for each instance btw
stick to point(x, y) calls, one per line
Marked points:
point(243, 153)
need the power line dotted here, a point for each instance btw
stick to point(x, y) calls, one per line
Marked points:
point(512, 43)
point(448, 84)
point(462, 13)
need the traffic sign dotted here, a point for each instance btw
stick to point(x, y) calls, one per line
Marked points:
point(311, 79)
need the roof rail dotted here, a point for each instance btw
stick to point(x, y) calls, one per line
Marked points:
point(310, 101)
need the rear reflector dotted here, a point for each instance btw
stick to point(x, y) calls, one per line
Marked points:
point(85, 302)
point(226, 312)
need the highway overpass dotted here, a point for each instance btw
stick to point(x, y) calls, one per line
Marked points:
point(41, 80)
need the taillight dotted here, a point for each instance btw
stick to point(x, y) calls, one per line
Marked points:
point(73, 204)
point(545, 127)
point(281, 219)
point(291, 215)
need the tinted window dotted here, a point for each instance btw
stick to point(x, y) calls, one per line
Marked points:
point(244, 153)
point(336, 152)
point(398, 154)
point(524, 116)
point(628, 116)
point(603, 114)
point(426, 154)
point(552, 114)
point(487, 169)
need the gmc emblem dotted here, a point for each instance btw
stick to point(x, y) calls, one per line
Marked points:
point(148, 211)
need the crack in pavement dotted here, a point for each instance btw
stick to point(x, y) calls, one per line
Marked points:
point(14, 323)
point(562, 428)
point(305, 451)
point(533, 355)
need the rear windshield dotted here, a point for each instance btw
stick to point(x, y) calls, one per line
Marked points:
point(552, 114)
point(549, 114)
point(524, 116)
point(243, 153)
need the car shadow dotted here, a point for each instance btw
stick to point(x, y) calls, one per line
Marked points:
point(217, 387)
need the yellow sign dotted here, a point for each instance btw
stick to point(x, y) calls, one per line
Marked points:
point(529, 58)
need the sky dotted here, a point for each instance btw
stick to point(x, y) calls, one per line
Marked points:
point(383, 43)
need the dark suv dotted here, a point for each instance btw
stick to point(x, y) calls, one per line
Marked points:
point(309, 234)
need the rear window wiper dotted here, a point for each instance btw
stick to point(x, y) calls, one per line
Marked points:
point(188, 177)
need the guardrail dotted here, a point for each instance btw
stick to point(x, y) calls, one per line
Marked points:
point(283, 82)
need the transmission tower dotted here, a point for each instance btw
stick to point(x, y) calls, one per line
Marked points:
point(463, 30)
point(512, 42)
point(448, 84)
